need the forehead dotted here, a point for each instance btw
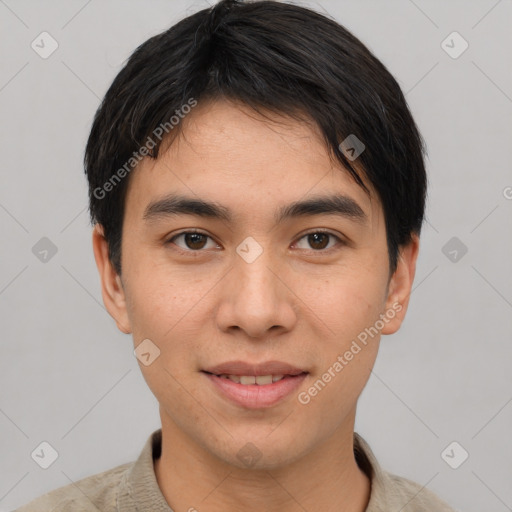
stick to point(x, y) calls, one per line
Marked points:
point(228, 152)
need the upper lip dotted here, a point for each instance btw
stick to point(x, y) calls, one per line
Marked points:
point(244, 368)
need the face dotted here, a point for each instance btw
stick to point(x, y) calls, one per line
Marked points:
point(287, 263)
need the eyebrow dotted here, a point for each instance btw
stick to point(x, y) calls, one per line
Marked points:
point(340, 205)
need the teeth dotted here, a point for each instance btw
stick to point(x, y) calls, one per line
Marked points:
point(260, 380)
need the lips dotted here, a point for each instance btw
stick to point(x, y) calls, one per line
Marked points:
point(255, 386)
point(242, 368)
point(255, 396)
point(250, 380)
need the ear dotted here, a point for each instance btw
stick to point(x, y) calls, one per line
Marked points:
point(112, 289)
point(400, 285)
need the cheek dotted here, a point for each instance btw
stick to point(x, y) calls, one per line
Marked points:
point(169, 309)
point(150, 308)
point(160, 302)
point(341, 375)
point(344, 302)
point(346, 306)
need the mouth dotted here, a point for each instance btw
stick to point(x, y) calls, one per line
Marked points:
point(245, 369)
point(255, 386)
point(250, 380)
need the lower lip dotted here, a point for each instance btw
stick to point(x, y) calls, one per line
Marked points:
point(254, 396)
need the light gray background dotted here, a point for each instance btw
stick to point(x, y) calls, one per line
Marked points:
point(67, 376)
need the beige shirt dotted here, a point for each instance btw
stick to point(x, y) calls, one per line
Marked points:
point(133, 487)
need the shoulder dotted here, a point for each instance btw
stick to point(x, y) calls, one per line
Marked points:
point(414, 497)
point(94, 493)
point(393, 492)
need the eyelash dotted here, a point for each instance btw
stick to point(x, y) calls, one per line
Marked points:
point(192, 251)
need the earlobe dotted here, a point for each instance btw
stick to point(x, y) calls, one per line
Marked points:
point(112, 289)
point(400, 286)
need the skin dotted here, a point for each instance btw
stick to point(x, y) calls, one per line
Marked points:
point(296, 303)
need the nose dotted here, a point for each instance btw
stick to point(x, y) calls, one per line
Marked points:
point(256, 299)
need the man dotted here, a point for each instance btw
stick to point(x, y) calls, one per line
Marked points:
point(257, 190)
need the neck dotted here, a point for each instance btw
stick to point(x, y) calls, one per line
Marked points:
point(327, 478)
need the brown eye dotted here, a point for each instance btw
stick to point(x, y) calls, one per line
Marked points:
point(195, 240)
point(318, 241)
point(192, 241)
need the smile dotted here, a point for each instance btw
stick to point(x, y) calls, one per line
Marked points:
point(255, 391)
